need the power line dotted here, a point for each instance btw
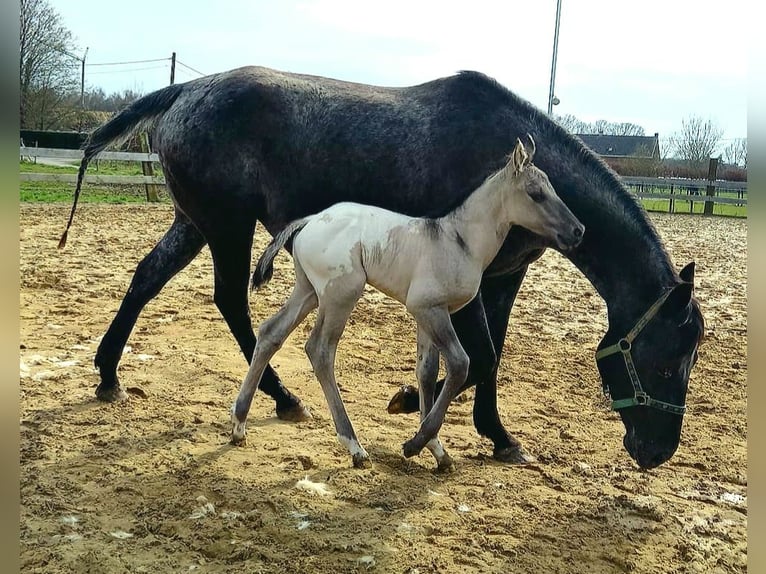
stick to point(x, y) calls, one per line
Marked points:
point(130, 70)
point(189, 67)
point(129, 62)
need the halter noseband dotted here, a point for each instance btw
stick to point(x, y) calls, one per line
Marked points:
point(640, 397)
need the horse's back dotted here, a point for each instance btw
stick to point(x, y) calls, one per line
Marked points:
point(286, 145)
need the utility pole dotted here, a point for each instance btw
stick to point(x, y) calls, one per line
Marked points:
point(82, 79)
point(173, 69)
point(82, 88)
point(553, 100)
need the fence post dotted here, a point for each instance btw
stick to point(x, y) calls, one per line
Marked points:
point(671, 206)
point(147, 169)
point(710, 191)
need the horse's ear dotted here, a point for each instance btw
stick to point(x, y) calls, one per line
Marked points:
point(678, 300)
point(687, 273)
point(519, 157)
point(532, 147)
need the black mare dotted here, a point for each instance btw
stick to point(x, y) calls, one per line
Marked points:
point(255, 144)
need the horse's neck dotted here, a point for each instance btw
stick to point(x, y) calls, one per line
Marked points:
point(621, 254)
point(482, 220)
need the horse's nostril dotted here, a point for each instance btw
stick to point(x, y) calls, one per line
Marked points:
point(578, 232)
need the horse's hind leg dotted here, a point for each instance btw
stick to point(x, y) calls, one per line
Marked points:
point(335, 306)
point(180, 244)
point(231, 250)
point(427, 371)
point(271, 336)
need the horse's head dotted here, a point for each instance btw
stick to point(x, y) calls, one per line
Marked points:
point(535, 204)
point(645, 370)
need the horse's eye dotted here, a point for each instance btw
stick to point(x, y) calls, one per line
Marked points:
point(537, 196)
point(665, 372)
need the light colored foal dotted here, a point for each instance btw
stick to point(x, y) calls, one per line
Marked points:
point(433, 266)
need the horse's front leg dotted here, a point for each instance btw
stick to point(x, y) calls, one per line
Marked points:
point(498, 295)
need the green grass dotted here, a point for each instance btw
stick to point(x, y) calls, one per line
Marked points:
point(684, 206)
point(56, 192)
point(96, 167)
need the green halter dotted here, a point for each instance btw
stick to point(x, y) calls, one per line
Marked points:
point(640, 397)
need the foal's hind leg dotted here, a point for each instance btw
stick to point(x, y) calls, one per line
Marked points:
point(427, 371)
point(435, 321)
point(231, 258)
point(271, 336)
point(180, 244)
point(335, 306)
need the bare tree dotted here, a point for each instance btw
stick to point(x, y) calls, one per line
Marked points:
point(572, 124)
point(576, 126)
point(47, 71)
point(736, 152)
point(697, 140)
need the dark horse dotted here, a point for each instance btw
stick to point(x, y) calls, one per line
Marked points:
point(255, 144)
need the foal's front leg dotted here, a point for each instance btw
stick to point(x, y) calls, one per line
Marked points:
point(427, 373)
point(435, 321)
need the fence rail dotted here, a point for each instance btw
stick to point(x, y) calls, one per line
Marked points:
point(709, 192)
point(145, 158)
point(35, 152)
point(672, 189)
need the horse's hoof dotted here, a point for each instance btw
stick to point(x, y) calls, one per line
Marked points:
point(446, 465)
point(513, 455)
point(410, 448)
point(111, 394)
point(294, 414)
point(406, 400)
point(361, 461)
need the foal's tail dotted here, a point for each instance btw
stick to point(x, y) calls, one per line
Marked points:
point(264, 269)
point(141, 114)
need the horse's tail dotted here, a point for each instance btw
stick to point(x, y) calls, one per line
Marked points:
point(264, 269)
point(141, 114)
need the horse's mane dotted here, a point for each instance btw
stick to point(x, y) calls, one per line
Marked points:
point(610, 188)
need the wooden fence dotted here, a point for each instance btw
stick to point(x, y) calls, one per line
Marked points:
point(146, 158)
point(691, 191)
point(709, 191)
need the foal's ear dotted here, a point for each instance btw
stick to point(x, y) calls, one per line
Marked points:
point(519, 157)
point(532, 147)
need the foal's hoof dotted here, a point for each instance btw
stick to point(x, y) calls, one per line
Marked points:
point(446, 465)
point(294, 414)
point(513, 455)
point(111, 394)
point(361, 461)
point(411, 448)
point(406, 400)
point(238, 440)
point(238, 430)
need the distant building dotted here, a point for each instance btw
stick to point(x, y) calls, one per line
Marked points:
point(627, 155)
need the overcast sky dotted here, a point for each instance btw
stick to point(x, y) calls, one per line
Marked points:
point(652, 62)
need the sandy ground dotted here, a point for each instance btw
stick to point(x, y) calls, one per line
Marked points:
point(152, 485)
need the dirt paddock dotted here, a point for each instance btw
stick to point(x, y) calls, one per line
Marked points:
point(152, 485)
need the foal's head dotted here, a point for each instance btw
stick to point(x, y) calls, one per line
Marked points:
point(534, 203)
